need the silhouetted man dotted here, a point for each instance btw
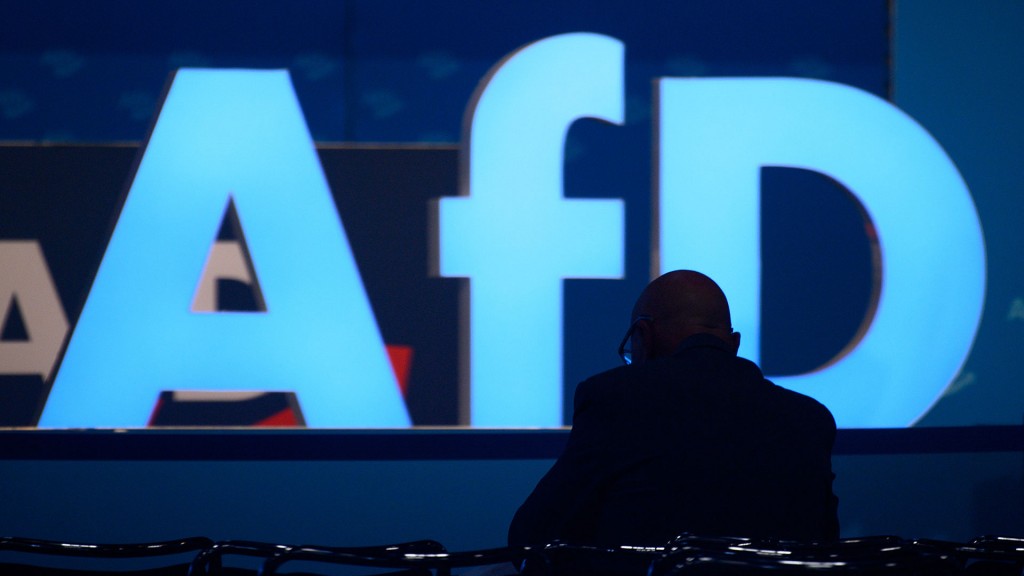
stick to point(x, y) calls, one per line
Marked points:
point(686, 438)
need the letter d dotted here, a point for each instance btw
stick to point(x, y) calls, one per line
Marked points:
point(716, 134)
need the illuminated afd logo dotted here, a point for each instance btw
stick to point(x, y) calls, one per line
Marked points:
point(235, 138)
point(714, 136)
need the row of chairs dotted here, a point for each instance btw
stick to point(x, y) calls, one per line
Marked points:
point(690, 555)
point(869, 556)
point(200, 556)
point(687, 555)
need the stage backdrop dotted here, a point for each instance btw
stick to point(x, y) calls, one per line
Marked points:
point(371, 72)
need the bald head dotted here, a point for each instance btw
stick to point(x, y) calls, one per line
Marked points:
point(680, 304)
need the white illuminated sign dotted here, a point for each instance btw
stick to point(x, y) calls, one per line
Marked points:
point(714, 137)
point(227, 135)
point(238, 137)
point(515, 236)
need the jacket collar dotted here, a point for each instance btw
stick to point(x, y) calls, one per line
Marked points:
point(704, 340)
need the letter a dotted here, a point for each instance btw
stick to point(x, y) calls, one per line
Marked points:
point(238, 135)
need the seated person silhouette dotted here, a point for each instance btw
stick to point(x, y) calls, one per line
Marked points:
point(686, 438)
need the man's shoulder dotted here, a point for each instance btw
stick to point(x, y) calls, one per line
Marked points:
point(607, 381)
point(764, 390)
point(808, 409)
point(618, 387)
point(728, 375)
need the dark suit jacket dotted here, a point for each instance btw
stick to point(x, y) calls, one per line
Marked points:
point(698, 442)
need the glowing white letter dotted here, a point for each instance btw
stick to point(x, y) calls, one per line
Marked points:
point(515, 236)
point(222, 136)
point(716, 134)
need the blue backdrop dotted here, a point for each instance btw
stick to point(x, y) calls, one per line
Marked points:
point(403, 72)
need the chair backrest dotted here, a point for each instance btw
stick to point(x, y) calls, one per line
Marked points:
point(393, 562)
point(562, 559)
point(210, 562)
point(984, 556)
point(28, 556)
point(874, 556)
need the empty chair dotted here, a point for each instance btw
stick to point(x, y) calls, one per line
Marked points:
point(984, 556)
point(561, 559)
point(30, 557)
point(401, 563)
point(210, 562)
point(874, 556)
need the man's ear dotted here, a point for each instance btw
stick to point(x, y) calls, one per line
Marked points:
point(643, 336)
point(735, 339)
